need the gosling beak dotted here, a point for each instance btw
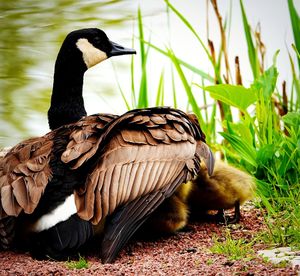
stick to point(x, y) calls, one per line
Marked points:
point(118, 50)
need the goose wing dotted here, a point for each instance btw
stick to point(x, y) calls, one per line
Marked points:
point(83, 141)
point(127, 219)
point(24, 174)
point(140, 152)
point(143, 156)
point(32, 165)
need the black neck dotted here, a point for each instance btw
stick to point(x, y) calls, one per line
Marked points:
point(67, 105)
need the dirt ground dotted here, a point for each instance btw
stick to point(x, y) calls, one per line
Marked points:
point(186, 253)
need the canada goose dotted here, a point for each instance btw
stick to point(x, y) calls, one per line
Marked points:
point(119, 171)
point(58, 106)
point(228, 187)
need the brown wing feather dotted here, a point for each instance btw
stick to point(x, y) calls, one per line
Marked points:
point(84, 140)
point(127, 219)
point(131, 150)
point(24, 174)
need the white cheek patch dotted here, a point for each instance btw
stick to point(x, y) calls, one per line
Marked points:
point(91, 55)
point(60, 213)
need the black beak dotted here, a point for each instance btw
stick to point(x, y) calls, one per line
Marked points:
point(118, 50)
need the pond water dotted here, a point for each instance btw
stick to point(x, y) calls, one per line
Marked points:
point(32, 31)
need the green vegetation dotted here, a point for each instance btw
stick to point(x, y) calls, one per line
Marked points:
point(233, 249)
point(81, 263)
point(264, 138)
point(209, 261)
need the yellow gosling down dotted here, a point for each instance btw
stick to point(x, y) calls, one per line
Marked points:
point(228, 187)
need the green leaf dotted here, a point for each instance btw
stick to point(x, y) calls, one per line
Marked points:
point(266, 83)
point(234, 95)
point(292, 119)
point(246, 151)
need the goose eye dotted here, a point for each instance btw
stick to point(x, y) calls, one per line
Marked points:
point(97, 40)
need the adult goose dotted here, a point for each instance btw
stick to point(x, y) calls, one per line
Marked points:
point(37, 181)
point(120, 171)
point(81, 50)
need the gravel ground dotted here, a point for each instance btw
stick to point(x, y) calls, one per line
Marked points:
point(186, 253)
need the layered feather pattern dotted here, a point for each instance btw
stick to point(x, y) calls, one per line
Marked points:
point(27, 168)
point(24, 174)
point(140, 152)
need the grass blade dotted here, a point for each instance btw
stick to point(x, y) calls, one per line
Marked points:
point(173, 89)
point(143, 93)
point(252, 54)
point(133, 97)
point(246, 151)
point(160, 91)
point(190, 27)
point(295, 20)
point(185, 64)
point(183, 19)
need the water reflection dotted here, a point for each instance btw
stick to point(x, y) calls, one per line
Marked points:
point(31, 34)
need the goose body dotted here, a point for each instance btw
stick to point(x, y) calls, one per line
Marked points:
point(120, 170)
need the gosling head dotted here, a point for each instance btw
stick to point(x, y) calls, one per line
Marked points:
point(92, 45)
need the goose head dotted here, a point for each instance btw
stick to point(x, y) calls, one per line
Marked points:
point(81, 50)
point(85, 48)
point(94, 46)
